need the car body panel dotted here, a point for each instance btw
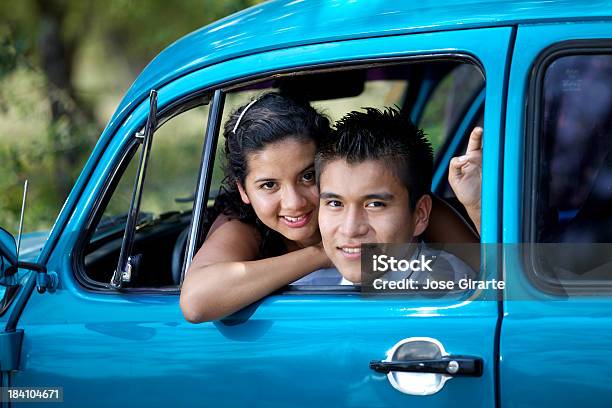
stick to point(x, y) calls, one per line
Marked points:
point(314, 348)
point(554, 350)
point(143, 340)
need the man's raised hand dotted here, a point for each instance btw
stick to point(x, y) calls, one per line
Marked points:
point(465, 176)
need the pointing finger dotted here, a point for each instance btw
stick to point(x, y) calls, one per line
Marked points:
point(475, 142)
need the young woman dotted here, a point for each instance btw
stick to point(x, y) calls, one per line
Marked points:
point(265, 233)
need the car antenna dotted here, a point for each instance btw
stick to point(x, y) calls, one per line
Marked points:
point(20, 231)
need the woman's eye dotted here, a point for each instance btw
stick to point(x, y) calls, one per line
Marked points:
point(268, 185)
point(309, 176)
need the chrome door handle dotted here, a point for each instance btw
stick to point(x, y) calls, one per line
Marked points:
point(421, 366)
point(456, 366)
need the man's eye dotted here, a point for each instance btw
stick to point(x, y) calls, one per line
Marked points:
point(268, 185)
point(308, 177)
point(334, 203)
point(376, 204)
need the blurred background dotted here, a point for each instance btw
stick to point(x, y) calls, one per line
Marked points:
point(64, 67)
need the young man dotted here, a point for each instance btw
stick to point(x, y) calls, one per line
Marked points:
point(374, 175)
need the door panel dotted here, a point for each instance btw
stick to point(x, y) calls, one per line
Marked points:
point(289, 349)
point(299, 351)
point(555, 340)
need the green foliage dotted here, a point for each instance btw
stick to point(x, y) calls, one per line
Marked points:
point(49, 121)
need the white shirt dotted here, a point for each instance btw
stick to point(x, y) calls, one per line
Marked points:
point(323, 277)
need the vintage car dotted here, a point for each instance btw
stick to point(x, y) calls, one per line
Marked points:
point(95, 310)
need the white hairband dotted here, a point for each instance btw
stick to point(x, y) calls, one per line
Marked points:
point(242, 114)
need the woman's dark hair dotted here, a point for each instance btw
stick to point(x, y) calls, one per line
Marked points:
point(251, 128)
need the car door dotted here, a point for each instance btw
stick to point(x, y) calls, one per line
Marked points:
point(292, 348)
point(556, 331)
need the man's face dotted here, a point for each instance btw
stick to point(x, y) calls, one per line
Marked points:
point(365, 203)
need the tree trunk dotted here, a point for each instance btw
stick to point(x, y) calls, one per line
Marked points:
point(67, 115)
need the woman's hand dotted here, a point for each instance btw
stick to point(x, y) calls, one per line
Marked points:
point(465, 176)
point(226, 274)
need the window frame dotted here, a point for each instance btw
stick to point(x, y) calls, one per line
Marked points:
point(176, 107)
point(170, 111)
point(536, 273)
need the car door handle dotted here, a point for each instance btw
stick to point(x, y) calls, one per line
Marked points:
point(456, 366)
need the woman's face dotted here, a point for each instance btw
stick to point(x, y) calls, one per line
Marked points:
point(280, 185)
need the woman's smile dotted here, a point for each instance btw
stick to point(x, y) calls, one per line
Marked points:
point(297, 221)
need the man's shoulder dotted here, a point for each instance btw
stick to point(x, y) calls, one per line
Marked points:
point(447, 265)
point(321, 277)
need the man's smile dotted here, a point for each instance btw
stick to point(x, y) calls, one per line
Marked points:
point(351, 251)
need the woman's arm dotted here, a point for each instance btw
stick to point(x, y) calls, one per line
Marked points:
point(224, 276)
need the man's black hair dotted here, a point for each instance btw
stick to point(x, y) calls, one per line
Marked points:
point(385, 135)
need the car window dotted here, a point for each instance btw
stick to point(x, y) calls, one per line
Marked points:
point(573, 204)
point(448, 102)
point(166, 205)
point(377, 93)
point(338, 92)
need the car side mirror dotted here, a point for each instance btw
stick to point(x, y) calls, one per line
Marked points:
point(8, 254)
point(9, 262)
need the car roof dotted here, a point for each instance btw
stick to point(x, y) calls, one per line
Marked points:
point(286, 23)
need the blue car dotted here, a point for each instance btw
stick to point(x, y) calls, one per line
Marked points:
point(90, 311)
